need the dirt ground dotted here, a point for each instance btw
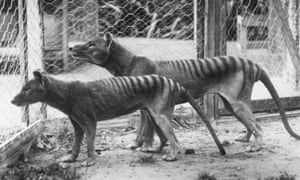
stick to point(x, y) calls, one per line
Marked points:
point(280, 154)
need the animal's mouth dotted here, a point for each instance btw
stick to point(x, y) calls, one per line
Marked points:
point(15, 102)
point(76, 54)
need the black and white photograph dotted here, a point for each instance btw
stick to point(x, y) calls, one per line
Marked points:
point(149, 89)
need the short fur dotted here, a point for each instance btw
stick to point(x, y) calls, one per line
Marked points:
point(87, 103)
point(230, 77)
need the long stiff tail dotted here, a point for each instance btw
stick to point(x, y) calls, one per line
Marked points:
point(269, 85)
point(186, 95)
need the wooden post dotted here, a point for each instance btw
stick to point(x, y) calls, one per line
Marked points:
point(199, 8)
point(41, 12)
point(214, 44)
point(34, 50)
point(23, 60)
point(65, 33)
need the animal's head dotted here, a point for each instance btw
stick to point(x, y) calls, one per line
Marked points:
point(33, 91)
point(95, 51)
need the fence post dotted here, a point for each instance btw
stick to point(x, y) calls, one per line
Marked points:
point(214, 45)
point(65, 33)
point(23, 60)
point(34, 46)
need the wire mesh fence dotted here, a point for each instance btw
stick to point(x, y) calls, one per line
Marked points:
point(20, 41)
point(259, 30)
point(81, 20)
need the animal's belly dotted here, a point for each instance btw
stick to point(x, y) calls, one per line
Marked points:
point(118, 109)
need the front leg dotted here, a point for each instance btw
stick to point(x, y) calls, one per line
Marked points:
point(78, 133)
point(90, 138)
point(145, 131)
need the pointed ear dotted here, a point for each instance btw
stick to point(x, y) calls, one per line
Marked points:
point(108, 37)
point(38, 75)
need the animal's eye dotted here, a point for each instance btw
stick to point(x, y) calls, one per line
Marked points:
point(91, 45)
point(27, 91)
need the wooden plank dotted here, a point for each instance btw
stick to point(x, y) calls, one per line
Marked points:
point(263, 116)
point(268, 105)
point(17, 145)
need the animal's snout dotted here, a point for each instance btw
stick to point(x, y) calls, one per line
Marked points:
point(14, 101)
point(71, 48)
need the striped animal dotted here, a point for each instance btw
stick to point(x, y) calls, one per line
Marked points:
point(232, 78)
point(87, 103)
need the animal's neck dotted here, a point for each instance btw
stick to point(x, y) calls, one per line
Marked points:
point(59, 94)
point(120, 60)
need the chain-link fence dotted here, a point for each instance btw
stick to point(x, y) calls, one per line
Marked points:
point(20, 53)
point(67, 21)
point(261, 31)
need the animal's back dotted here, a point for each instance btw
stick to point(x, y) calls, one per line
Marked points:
point(208, 72)
point(121, 95)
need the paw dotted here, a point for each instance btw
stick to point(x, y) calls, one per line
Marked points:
point(67, 159)
point(134, 145)
point(89, 162)
point(244, 139)
point(169, 157)
point(254, 147)
point(149, 149)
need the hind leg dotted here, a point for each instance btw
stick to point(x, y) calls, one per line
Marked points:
point(163, 121)
point(244, 114)
point(247, 136)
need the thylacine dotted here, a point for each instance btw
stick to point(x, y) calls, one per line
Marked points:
point(230, 77)
point(87, 103)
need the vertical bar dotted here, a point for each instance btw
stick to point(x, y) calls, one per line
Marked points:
point(220, 43)
point(200, 23)
point(297, 25)
point(195, 4)
point(209, 51)
point(43, 108)
point(97, 17)
point(23, 55)
point(65, 33)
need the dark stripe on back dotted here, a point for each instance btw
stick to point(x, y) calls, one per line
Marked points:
point(140, 83)
point(115, 83)
point(147, 83)
point(202, 62)
point(251, 71)
point(232, 63)
point(191, 68)
point(258, 72)
point(161, 81)
point(225, 63)
point(133, 84)
point(195, 68)
point(217, 65)
point(210, 67)
point(155, 83)
point(124, 86)
point(178, 65)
